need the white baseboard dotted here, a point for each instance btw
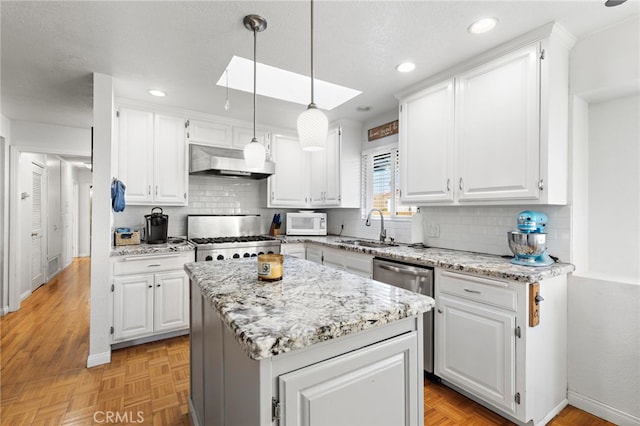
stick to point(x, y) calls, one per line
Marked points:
point(556, 410)
point(4, 311)
point(192, 412)
point(601, 410)
point(25, 295)
point(84, 254)
point(99, 359)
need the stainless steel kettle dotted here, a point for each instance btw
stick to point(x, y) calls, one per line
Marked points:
point(157, 226)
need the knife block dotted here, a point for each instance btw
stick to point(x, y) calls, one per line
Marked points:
point(273, 231)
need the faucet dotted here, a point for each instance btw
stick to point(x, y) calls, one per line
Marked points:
point(383, 232)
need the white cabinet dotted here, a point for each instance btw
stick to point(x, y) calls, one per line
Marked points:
point(209, 133)
point(345, 260)
point(426, 144)
point(493, 130)
point(152, 157)
point(288, 185)
point(365, 387)
point(150, 295)
point(485, 346)
point(324, 168)
point(497, 128)
point(327, 178)
point(241, 136)
point(293, 249)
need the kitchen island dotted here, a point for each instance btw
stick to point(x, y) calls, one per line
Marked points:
point(320, 346)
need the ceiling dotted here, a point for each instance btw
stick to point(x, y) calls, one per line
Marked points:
point(50, 49)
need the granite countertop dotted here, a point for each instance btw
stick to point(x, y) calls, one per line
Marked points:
point(311, 304)
point(487, 265)
point(177, 245)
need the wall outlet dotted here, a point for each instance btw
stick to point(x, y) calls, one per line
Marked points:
point(433, 231)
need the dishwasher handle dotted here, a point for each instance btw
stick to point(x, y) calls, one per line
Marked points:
point(407, 271)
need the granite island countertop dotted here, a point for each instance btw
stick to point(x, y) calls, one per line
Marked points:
point(311, 304)
point(141, 249)
point(487, 265)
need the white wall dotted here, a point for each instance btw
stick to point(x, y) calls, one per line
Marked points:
point(604, 292)
point(66, 213)
point(54, 223)
point(51, 139)
point(84, 212)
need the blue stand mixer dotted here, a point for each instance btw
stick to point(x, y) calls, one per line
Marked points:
point(528, 243)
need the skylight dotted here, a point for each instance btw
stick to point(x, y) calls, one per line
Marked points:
point(284, 85)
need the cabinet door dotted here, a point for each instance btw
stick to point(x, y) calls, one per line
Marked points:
point(170, 166)
point(132, 306)
point(314, 254)
point(293, 249)
point(171, 304)
point(497, 113)
point(288, 185)
point(209, 133)
point(359, 264)
point(324, 172)
point(475, 349)
point(367, 387)
point(241, 136)
point(135, 154)
point(426, 145)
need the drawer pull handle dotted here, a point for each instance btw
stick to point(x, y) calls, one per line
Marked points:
point(150, 286)
point(155, 265)
point(472, 291)
point(145, 257)
point(408, 271)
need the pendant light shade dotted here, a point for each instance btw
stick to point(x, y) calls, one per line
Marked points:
point(312, 123)
point(254, 152)
point(312, 129)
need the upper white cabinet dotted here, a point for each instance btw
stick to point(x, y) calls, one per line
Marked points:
point(152, 157)
point(327, 178)
point(426, 144)
point(241, 136)
point(288, 185)
point(497, 128)
point(209, 133)
point(493, 130)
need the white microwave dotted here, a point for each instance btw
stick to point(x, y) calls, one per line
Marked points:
point(306, 223)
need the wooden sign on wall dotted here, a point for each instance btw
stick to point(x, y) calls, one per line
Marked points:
point(383, 131)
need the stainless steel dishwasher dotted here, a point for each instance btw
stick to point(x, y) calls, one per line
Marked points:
point(414, 278)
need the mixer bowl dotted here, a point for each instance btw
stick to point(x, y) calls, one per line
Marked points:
point(526, 245)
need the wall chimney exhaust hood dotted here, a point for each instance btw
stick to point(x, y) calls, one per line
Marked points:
point(223, 162)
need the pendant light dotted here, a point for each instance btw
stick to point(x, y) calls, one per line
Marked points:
point(312, 123)
point(254, 152)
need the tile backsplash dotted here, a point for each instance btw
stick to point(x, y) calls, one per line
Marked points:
point(479, 229)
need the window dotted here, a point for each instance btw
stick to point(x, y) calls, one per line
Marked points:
point(381, 184)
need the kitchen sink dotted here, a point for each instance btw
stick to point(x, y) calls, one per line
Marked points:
point(367, 243)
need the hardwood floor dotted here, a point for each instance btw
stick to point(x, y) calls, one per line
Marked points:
point(44, 379)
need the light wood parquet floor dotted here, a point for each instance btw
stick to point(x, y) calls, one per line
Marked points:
point(44, 379)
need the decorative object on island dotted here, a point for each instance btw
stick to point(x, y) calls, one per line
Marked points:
point(313, 125)
point(254, 152)
point(528, 243)
point(270, 267)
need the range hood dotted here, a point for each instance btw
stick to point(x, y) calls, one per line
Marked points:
point(212, 161)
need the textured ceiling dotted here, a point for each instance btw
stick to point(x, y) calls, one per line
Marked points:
point(50, 49)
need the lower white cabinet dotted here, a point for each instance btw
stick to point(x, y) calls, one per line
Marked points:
point(293, 249)
point(150, 296)
point(356, 263)
point(486, 347)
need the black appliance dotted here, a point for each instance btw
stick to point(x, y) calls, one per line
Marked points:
point(157, 226)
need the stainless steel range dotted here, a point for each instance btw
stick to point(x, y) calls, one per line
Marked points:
point(219, 237)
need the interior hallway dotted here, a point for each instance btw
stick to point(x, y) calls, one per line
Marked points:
point(44, 379)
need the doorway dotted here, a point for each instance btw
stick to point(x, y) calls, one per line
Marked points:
point(35, 206)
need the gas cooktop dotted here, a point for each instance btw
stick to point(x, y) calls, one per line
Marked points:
point(223, 240)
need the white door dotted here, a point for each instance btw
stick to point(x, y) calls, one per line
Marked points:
point(426, 145)
point(497, 124)
point(38, 252)
point(367, 387)
point(475, 349)
point(289, 184)
point(170, 166)
point(171, 301)
point(133, 306)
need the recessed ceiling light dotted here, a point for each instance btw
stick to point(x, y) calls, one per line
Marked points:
point(282, 84)
point(406, 67)
point(483, 25)
point(613, 3)
point(155, 92)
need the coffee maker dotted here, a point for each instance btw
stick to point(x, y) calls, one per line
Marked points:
point(528, 243)
point(157, 226)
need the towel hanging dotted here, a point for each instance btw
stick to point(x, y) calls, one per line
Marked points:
point(117, 195)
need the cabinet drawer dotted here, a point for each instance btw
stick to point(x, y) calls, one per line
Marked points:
point(152, 263)
point(491, 292)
